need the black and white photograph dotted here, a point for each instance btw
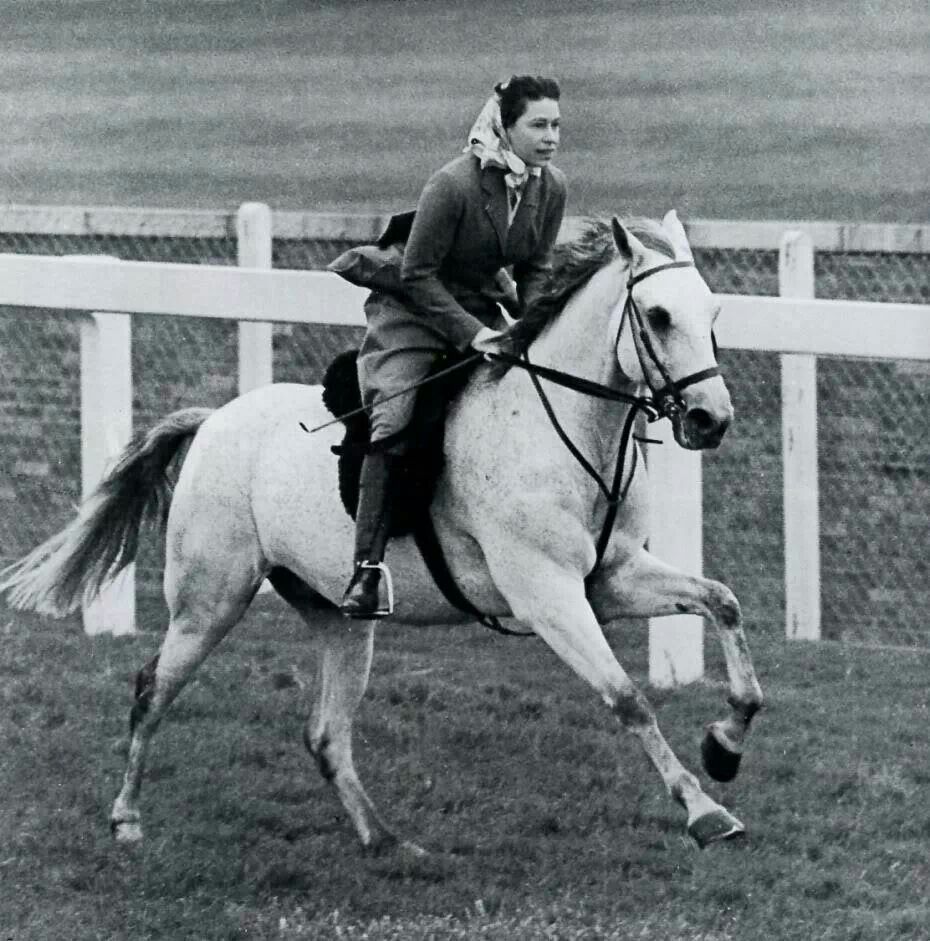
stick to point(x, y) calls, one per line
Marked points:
point(464, 470)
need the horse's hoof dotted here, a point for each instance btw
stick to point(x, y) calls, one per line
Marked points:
point(715, 826)
point(391, 846)
point(413, 850)
point(720, 762)
point(126, 832)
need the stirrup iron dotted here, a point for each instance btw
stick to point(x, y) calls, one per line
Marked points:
point(379, 610)
point(382, 612)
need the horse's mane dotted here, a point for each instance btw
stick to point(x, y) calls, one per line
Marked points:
point(574, 263)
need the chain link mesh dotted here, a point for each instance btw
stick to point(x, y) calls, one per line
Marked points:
point(874, 496)
point(874, 438)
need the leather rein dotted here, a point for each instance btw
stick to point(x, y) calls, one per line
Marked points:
point(664, 402)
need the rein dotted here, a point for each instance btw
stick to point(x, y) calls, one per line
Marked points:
point(616, 492)
point(665, 402)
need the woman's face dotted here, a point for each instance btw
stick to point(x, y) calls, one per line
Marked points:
point(534, 136)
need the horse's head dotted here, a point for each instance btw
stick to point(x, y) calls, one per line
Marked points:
point(666, 336)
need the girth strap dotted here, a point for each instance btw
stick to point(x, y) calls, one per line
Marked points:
point(428, 543)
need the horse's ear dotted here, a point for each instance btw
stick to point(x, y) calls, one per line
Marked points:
point(629, 246)
point(676, 233)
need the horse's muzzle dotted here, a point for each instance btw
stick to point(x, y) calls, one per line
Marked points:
point(700, 430)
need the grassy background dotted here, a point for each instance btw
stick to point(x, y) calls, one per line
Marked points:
point(547, 820)
point(544, 819)
point(722, 108)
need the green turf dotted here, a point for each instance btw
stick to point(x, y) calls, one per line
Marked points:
point(722, 109)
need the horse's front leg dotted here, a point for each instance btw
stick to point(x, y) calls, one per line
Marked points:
point(551, 599)
point(647, 587)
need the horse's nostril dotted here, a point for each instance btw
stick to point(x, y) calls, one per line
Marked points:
point(707, 431)
point(701, 420)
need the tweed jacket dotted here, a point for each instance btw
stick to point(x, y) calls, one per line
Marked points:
point(460, 241)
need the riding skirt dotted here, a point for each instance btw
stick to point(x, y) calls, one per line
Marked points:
point(398, 351)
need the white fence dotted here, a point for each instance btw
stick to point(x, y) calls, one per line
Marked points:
point(795, 325)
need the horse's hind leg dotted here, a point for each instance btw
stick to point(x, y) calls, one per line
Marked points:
point(204, 610)
point(341, 681)
point(344, 662)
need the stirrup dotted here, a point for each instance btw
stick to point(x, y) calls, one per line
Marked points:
point(381, 611)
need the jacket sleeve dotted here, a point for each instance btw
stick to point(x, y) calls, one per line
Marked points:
point(439, 210)
point(532, 275)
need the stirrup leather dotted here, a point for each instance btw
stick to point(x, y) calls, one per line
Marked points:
point(381, 611)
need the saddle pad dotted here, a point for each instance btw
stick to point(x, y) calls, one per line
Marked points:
point(423, 461)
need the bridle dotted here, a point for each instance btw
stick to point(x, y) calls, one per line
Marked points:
point(666, 401)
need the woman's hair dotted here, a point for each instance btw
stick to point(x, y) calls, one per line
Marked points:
point(520, 89)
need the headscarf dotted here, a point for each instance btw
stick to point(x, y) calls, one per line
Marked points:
point(488, 142)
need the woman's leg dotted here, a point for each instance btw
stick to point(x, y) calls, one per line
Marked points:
point(385, 369)
point(372, 527)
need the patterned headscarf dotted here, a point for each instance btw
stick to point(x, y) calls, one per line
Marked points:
point(488, 142)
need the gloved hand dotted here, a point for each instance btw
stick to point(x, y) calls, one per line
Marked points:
point(487, 341)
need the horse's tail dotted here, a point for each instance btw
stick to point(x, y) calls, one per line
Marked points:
point(70, 568)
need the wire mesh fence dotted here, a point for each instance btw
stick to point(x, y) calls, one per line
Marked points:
point(874, 435)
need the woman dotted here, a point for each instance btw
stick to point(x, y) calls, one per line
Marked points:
point(500, 204)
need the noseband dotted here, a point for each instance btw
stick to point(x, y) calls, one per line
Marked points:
point(667, 400)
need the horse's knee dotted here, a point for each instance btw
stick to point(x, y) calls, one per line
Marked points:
point(145, 689)
point(725, 606)
point(632, 709)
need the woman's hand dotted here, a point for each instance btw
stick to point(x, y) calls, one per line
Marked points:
point(487, 341)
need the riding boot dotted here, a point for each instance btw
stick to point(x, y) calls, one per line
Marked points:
point(372, 523)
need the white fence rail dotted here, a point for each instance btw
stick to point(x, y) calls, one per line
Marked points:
point(794, 324)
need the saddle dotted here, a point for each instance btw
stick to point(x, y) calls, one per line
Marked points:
point(421, 465)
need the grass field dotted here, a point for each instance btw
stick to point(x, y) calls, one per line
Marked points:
point(720, 108)
point(545, 820)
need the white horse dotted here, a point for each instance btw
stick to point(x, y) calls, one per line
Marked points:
point(516, 513)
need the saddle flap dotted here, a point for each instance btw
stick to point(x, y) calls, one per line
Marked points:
point(423, 460)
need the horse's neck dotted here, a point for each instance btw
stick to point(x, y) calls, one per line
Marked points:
point(582, 341)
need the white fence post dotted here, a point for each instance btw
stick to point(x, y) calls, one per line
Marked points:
point(676, 643)
point(253, 234)
point(799, 454)
point(106, 427)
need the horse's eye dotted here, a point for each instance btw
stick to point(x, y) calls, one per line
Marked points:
point(659, 318)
